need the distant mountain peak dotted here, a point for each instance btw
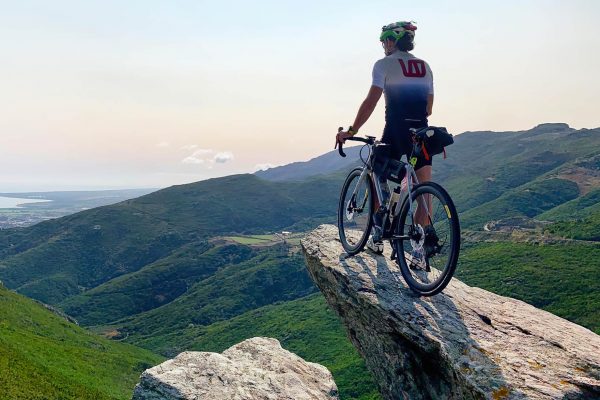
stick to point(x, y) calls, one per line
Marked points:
point(323, 164)
point(552, 127)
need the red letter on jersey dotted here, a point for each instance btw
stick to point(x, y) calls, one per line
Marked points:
point(415, 69)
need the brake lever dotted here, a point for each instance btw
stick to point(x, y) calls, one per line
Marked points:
point(340, 144)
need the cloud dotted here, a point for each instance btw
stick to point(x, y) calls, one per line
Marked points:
point(192, 160)
point(202, 152)
point(199, 156)
point(207, 156)
point(189, 147)
point(223, 157)
point(263, 167)
point(163, 144)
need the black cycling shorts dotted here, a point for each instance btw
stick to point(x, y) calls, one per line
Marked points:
point(401, 142)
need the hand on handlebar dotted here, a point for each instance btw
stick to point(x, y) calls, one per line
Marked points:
point(341, 137)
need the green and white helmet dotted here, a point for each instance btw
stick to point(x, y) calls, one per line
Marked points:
point(397, 30)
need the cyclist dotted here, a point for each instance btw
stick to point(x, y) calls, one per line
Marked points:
point(408, 86)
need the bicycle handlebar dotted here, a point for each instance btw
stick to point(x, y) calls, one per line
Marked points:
point(356, 139)
point(341, 144)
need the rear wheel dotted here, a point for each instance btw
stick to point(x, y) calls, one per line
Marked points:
point(355, 211)
point(428, 258)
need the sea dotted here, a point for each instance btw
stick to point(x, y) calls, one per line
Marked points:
point(14, 202)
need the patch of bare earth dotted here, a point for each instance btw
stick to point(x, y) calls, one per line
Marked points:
point(586, 179)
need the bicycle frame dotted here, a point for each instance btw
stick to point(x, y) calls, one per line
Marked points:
point(411, 180)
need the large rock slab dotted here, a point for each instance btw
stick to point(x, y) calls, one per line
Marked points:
point(257, 368)
point(465, 343)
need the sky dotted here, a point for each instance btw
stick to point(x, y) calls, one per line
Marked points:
point(131, 94)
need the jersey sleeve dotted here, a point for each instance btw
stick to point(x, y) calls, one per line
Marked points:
point(378, 75)
point(430, 81)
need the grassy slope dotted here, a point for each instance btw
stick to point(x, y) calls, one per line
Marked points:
point(269, 277)
point(587, 228)
point(482, 166)
point(528, 200)
point(580, 207)
point(154, 285)
point(43, 356)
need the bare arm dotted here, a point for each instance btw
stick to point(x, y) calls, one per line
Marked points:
point(429, 104)
point(367, 107)
point(364, 112)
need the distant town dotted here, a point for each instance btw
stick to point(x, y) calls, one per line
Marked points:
point(18, 210)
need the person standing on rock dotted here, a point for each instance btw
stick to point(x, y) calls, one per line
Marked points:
point(407, 82)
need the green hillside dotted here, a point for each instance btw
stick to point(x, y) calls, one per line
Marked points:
point(43, 356)
point(587, 228)
point(154, 285)
point(269, 277)
point(483, 166)
point(561, 278)
point(580, 207)
point(73, 254)
point(529, 200)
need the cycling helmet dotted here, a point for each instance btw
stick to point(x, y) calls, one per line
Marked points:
point(397, 30)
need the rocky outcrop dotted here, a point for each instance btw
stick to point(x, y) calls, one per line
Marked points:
point(465, 343)
point(255, 369)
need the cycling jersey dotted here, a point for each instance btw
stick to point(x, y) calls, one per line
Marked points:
point(406, 81)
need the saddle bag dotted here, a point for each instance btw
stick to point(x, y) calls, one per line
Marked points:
point(434, 140)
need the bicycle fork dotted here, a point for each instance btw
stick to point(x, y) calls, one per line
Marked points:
point(354, 192)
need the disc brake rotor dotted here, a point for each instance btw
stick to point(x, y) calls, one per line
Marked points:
point(420, 233)
point(350, 207)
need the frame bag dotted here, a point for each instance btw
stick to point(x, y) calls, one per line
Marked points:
point(386, 166)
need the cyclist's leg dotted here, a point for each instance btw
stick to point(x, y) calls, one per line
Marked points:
point(379, 214)
point(423, 175)
point(381, 178)
point(375, 242)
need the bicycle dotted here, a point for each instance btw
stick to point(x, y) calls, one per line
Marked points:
point(419, 218)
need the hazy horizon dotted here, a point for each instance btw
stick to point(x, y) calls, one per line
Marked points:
point(112, 95)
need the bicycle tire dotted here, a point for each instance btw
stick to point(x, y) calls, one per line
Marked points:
point(451, 218)
point(351, 243)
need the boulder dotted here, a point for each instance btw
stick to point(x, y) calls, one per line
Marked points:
point(465, 343)
point(257, 368)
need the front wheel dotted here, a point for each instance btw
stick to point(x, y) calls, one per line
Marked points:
point(428, 251)
point(355, 211)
